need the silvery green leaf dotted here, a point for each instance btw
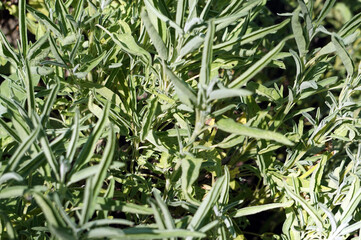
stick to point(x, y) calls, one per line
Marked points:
point(230, 126)
point(260, 208)
point(308, 84)
point(192, 23)
point(10, 176)
point(228, 93)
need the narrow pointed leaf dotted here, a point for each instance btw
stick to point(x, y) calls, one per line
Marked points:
point(260, 208)
point(168, 220)
point(22, 27)
point(256, 67)
point(343, 54)
point(44, 20)
point(207, 55)
point(156, 39)
point(230, 126)
point(325, 10)
point(141, 233)
point(88, 148)
point(7, 51)
point(148, 119)
point(207, 203)
point(10, 176)
point(105, 162)
point(162, 17)
point(57, 55)
point(70, 153)
point(22, 149)
point(182, 89)
point(228, 93)
point(51, 214)
point(307, 207)
point(13, 192)
point(298, 32)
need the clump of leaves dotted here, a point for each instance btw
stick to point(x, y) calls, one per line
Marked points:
point(154, 119)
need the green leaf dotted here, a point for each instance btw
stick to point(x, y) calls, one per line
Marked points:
point(307, 17)
point(228, 93)
point(209, 226)
point(44, 20)
point(61, 11)
point(351, 206)
point(154, 36)
point(299, 65)
point(343, 54)
point(207, 56)
point(37, 48)
point(68, 220)
point(13, 192)
point(88, 66)
point(161, 16)
point(252, 36)
point(352, 228)
point(325, 10)
point(127, 43)
point(230, 126)
point(56, 53)
point(206, 205)
point(105, 162)
point(190, 172)
point(181, 6)
point(43, 71)
point(307, 207)
point(350, 26)
point(22, 149)
point(75, 49)
point(10, 230)
point(49, 154)
point(70, 152)
point(51, 214)
point(168, 220)
point(298, 32)
point(10, 176)
point(157, 216)
point(116, 205)
point(224, 22)
point(148, 118)
point(7, 51)
point(87, 150)
point(79, 10)
point(22, 27)
point(224, 196)
point(141, 233)
point(88, 202)
point(29, 83)
point(101, 222)
point(246, 211)
point(10, 131)
point(223, 110)
point(61, 233)
point(206, 9)
point(191, 46)
point(39, 159)
point(182, 89)
point(50, 103)
point(83, 174)
point(256, 67)
point(231, 141)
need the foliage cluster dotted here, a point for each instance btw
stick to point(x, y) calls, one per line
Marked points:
point(156, 119)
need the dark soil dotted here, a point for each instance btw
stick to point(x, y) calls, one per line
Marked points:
point(9, 26)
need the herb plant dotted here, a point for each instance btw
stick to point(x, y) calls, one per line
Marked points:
point(155, 119)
